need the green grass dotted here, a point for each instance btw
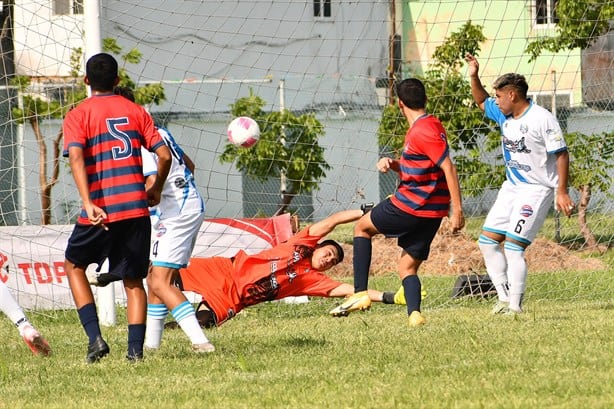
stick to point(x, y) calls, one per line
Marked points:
point(275, 355)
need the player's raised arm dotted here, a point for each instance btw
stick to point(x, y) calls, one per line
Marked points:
point(323, 227)
point(477, 89)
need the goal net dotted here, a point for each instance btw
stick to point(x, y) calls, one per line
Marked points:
point(333, 63)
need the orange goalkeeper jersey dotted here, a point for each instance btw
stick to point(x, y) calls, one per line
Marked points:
point(229, 285)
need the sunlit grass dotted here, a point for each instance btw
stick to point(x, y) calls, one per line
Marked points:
point(279, 355)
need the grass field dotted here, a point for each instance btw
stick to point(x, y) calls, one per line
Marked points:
point(277, 355)
point(559, 354)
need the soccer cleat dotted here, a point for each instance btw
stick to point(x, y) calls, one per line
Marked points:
point(500, 307)
point(204, 348)
point(416, 319)
point(509, 312)
point(92, 278)
point(133, 358)
point(356, 302)
point(35, 341)
point(96, 350)
point(399, 296)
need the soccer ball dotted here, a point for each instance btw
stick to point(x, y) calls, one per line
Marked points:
point(243, 131)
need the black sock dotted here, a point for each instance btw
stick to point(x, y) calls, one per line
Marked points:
point(89, 320)
point(413, 293)
point(362, 263)
point(388, 297)
point(136, 339)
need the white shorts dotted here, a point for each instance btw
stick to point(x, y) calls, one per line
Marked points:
point(173, 239)
point(519, 211)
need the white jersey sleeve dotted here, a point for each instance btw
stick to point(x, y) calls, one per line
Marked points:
point(150, 165)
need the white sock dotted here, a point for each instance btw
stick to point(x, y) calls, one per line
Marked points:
point(496, 265)
point(156, 315)
point(517, 273)
point(186, 318)
point(9, 306)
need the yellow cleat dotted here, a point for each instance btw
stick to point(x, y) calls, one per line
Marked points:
point(356, 302)
point(416, 319)
point(399, 296)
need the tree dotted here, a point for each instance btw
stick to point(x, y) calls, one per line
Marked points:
point(37, 108)
point(580, 23)
point(591, 159)
point(287, 149)
point(449, 98)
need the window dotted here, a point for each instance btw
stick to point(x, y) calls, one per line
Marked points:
point(322, 8)
point(67, 7)
point(545, 12)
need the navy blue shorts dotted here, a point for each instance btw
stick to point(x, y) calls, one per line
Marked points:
point(126, 244)
point(414, 233)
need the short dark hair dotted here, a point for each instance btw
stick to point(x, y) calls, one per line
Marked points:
point(124, 92)
point(336, 245)
point(412, 93)
point(516, 81)
point(102, 71)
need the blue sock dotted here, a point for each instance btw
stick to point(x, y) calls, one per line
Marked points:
point(413, 293)
point(362, 263)
point(136, 339)
point(89, 319)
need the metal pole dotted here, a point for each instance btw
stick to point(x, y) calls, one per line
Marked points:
point(21, 172)
point(282, 139)
point(557, 215)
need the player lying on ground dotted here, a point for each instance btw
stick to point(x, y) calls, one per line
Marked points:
point(293, 268)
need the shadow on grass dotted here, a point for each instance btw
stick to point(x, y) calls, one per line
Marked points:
point(302, 342)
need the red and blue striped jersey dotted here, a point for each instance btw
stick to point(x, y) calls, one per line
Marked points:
point(111, 130)
point(423, 190)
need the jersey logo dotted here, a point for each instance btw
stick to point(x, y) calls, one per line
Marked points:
point(554, 134)
point(526, 211)
point(180, 182)
point(161, 230)
point(291, 275)
point(518, 146)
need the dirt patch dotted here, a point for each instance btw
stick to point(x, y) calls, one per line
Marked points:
point(459, 254)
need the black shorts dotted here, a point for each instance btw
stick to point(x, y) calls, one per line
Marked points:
point(414, 233)
point(126, 244)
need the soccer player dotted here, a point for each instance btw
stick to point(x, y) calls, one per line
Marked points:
point(33, 339)
point(536, 164)
point(103, 136)
point(175, 223)
point(428, 185)
point(290, 269)
point(293, 268)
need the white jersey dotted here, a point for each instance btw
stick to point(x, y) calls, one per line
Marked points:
point(529, 144)
point(179, 195)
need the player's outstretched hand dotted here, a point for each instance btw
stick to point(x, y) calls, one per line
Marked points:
point(473, 64)
point(384, 164)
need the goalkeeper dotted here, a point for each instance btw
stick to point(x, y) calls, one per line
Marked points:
point(293, 268)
